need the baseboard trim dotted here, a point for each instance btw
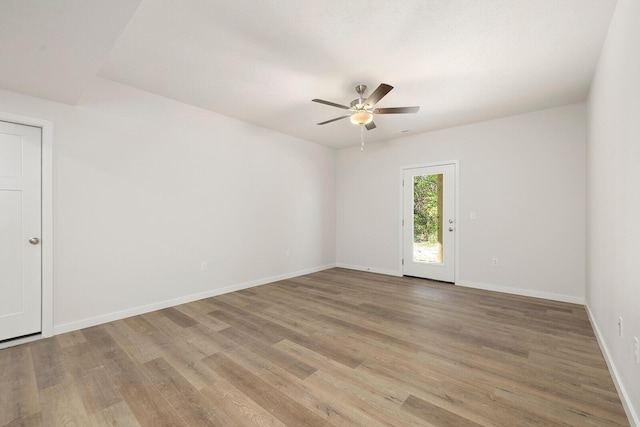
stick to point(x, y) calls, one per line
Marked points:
point(110, 317)
point(369, 269)
point(634, 418)
point(522, 292)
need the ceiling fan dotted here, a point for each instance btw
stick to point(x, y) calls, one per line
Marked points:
point(361, 110)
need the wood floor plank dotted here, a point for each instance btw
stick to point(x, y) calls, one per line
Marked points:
point(70, 339)
point(281, 314)
point(321, 401)
point(118, 415)
point(62, 405)
point(294, 366)
point(144, 400)
point(97, 390)
point(140, 325)
point(198, 373)
point(363, 379)
point(194, 408)
point(48, 363)
point(17, 379)
point(333, 348)
point(556, 413)
point(238, 408)
point(199, 312)
point(175, 335)
point(178, 317)
point(140, 346)
point(435, 382)
point(254, 324)
point(435, 414)
point(288, 411)
point(360, 403)
point(33, 420)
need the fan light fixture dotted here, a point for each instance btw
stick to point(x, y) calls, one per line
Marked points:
point(362, 110)
point(361, 117)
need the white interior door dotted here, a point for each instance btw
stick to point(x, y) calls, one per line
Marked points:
point(20, 228)
point(429, 222)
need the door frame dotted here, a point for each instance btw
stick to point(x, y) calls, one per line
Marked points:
point(456, 187)
point(47, 218)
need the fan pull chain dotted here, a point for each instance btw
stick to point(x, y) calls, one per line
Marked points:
point(361, 137)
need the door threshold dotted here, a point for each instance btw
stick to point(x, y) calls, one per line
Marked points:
point(12, 342)
point(431, 280)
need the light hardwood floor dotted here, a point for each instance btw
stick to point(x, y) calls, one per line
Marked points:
point(334, 348)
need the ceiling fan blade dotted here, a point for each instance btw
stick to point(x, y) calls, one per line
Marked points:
point(333, 120)
point(333, 104)
point(396, 110)
point(378, 94)
point(370, 125)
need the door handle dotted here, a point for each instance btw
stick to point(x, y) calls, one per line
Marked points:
point(34, 240)
point(450, 228)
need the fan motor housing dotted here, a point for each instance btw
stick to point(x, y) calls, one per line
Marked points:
point(356, 102)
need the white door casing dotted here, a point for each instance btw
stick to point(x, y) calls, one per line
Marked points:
point(443, 268)
point(20, 225)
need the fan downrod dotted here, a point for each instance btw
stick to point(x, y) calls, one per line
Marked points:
point(361, 89)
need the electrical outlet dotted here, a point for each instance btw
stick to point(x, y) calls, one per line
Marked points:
point(620, 327)
point(204, 266)
point(494, 261)
point(636, 349)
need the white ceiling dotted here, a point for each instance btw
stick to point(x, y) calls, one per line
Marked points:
point(262, 61)
point(54, 49)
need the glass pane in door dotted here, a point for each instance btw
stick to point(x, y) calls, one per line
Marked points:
point(427, 218)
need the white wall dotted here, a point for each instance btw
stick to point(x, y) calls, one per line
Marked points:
point(613, 194)
point(524, 176)
point(147, 188)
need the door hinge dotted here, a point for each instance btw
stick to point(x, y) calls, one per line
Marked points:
point(403, 222)
point(402, 261)
point(403, 182)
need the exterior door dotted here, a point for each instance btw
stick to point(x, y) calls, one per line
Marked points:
point(429, 222)
point(20, 228)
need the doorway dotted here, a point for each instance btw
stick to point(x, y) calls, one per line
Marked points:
point(20, 230)
point(429, 222)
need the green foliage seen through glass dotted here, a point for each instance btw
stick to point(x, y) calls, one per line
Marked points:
point(425, 209)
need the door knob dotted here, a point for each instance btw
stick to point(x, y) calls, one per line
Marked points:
point(450, 228)
point(34, 240)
